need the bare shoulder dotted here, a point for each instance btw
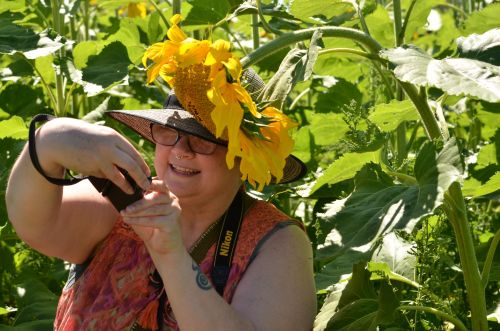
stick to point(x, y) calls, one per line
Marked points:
point(277, 291)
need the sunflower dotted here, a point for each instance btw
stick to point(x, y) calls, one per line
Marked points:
point(206, 77)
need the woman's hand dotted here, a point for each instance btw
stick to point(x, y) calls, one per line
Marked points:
point(155, 219)
point(90, 150)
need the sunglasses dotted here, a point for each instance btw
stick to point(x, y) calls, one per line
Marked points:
point(167, 136)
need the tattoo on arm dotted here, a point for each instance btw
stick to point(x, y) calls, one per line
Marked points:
point(201, 280)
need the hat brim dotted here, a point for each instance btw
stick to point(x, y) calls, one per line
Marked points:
point(140, 121)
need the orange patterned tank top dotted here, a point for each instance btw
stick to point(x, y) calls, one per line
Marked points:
point(116, 286)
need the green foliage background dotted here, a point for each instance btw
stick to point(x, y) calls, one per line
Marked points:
point(398, 104)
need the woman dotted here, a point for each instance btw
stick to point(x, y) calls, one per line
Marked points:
point(142, 267)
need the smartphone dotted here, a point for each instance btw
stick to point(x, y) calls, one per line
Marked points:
point(114, 194)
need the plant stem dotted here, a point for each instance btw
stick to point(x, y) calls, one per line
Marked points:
point(290, 38)
point(158, 10)
point(44, 83)
point(255, 31)
point(176, 7)
point(266, 26)
point(489, 259)
point(455, 321)
point(425, 112)
point(455, 209)
point(398, 23)
point(56, 17)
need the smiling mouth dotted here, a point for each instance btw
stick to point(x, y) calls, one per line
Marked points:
point(183, 171)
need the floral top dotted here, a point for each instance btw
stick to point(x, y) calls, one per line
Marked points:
point(116, 286)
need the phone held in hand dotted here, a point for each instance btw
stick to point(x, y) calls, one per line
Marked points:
point(114, 194)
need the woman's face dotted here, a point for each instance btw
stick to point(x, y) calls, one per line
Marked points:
point(189, 174)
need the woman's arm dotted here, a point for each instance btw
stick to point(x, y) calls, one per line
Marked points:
point(69, 221)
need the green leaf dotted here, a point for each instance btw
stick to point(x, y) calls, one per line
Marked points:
point(45, 67)
point(388, 116)
point(306, 10)
point(30, 104)
point(12, 5)
point(14, 128)
point(205, 12)
point(155, 29)
point(339, 94)
point(327, 129)
point(378, 206)
point(14, 38)
point(360, 307)
point(128, 35)
point(345, 167)
point(454, 76)
point(483, 20)
point(483, 47)
point(474, 188)
point(359, 286)
point(296, 67)
point(47, 44)
point(487, 156)
point(84, 50)
point(329, 307)
point(107, 68)
point(381, 27)
point(394, 258)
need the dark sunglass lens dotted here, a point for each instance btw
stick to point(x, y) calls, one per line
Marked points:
point(163, 135)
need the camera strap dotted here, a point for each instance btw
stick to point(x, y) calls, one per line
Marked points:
point(34, 157)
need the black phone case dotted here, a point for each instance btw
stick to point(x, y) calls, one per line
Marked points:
point(113, 193)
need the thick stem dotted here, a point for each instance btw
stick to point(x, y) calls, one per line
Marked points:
point(489, 259)
point(455, 209)
point(255, 31)
point(455, 321)
point(430, 124)
point(291, 38)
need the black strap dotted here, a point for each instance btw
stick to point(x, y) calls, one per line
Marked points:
point(226, 244)
point(34, 156)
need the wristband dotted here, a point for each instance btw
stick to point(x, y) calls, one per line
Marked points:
point(34, 156)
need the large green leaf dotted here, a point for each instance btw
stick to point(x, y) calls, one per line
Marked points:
point(206, 12)
point(474, 189)
point(108, 68)
point(31, 102)
point(360, 307)
point(483, 20)
point(14, 38)
point(395, 259)
point(378, 206)
point(454, 76)
point(345, 167)
point(340, 93)
point(14, 128)
point(484, 47)
point(388, 116)
point(128, 35)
